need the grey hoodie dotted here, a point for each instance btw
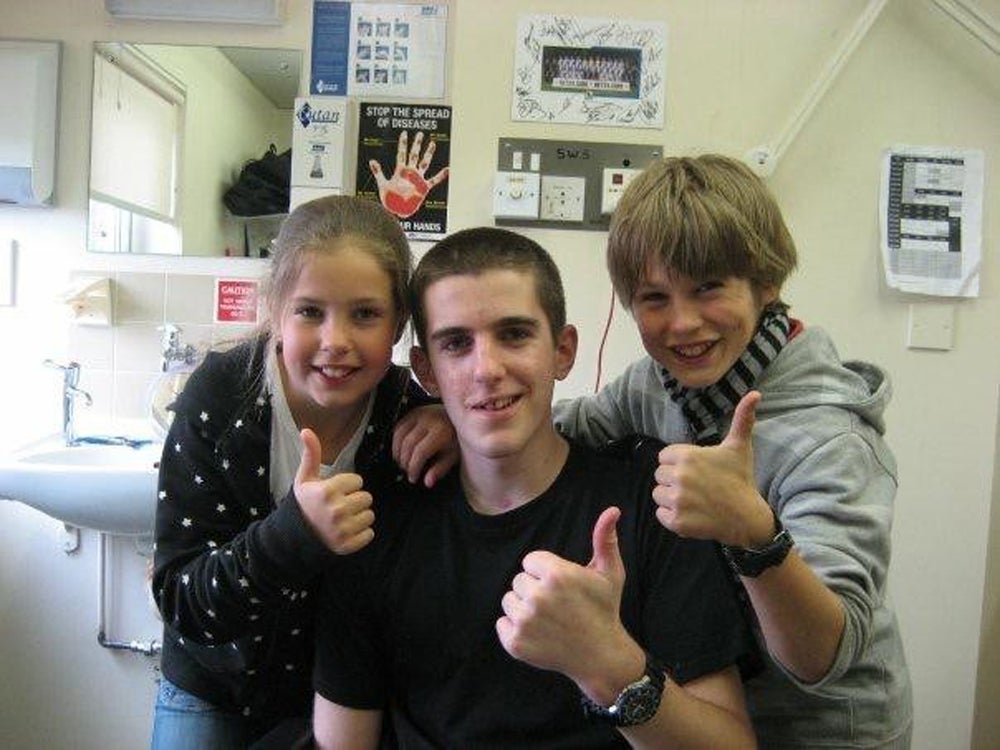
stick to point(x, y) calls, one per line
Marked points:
point(822, 464)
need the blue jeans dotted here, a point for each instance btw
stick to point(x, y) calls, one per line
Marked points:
point(185, 722)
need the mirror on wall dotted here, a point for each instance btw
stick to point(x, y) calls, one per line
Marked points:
point(171, 127)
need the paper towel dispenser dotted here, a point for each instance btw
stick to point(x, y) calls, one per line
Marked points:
point(29, 88)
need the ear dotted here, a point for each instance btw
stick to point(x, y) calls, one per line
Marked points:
point(421, 365)
point(767, 294)
point(566, 343)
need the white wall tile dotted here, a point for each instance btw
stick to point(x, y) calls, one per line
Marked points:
point(189, 298)
point(139, 297)
point(137, 347)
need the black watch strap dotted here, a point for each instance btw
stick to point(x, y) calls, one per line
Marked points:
point(750, 562)
point(636, 704)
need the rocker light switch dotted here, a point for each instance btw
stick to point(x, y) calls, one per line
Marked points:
point(931, 326)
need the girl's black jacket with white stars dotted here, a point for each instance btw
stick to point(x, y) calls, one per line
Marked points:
point(235, 572)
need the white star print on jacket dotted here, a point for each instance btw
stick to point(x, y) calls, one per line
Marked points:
point(234, 621)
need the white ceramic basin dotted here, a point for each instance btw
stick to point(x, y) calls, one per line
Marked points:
point(110, 488)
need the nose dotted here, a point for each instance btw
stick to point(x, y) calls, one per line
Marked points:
point(487, 365)
point(684, 316)
point(335, 334)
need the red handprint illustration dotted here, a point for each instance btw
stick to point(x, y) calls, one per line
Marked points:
point(403, 194)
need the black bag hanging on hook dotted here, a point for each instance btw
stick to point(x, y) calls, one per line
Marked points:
point(263, 186)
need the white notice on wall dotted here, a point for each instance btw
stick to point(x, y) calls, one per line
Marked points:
point(930, 212)
point(318, 142)
point(397, 49)
point(589, 71)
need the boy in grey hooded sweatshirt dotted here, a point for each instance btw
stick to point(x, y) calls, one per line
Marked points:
point(775, 447)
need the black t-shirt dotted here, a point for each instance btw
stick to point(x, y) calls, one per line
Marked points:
point(408, 624)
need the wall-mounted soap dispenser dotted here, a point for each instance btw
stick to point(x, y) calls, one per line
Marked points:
point(90, 301)
point(29, 95)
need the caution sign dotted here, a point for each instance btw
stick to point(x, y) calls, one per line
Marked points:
point(236, 300)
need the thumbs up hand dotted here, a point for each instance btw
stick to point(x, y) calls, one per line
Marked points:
point(562, 616)
point(336, 509)
point(710, 492)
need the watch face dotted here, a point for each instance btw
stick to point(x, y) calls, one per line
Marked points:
point(639, 702)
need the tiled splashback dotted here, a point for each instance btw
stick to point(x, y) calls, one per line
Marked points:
point(121, 363)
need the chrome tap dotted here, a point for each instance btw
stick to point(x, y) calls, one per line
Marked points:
point(171, 349)
point(71, 392)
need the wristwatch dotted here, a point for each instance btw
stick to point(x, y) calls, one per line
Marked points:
point(636, 704)
point(750, 562)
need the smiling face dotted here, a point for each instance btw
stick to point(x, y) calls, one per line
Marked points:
point(337, 328)
point(696, 329)
point(492, 359)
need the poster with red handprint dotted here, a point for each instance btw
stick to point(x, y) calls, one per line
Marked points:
point(403, 155)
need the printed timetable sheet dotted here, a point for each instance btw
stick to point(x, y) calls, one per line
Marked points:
point(930, 211)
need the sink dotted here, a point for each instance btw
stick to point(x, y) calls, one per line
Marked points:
point(108, 487)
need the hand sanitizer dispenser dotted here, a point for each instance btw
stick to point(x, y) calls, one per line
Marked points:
point(29, 86)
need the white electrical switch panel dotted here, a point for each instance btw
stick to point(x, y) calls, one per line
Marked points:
point(562, 198)
point(578, 183)
point(613, 184)
point(515, 195)
point(931, 326)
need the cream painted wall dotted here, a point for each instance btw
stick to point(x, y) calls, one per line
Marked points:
point(986, 726)
point(736, 69)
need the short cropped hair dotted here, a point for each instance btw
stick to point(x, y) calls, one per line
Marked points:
point(704, 217)
point(471, 252)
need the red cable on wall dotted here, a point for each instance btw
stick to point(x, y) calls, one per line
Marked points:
point(604, 340)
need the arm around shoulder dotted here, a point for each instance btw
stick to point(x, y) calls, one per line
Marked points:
point(616, 411)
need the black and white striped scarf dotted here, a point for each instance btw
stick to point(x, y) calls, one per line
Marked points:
point(705, 407)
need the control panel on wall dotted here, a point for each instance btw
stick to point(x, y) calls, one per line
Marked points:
point(564, 184)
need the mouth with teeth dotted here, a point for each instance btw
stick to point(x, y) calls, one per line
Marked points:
point(335, 373)
point(497, 404)
point(692, 352)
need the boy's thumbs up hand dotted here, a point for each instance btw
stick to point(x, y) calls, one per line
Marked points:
point(741, 430)
point(336, 509)
point(563, 616)
point(710, 492)
point(607, 557)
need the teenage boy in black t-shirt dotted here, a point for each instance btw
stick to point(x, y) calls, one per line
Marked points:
point(531, 598)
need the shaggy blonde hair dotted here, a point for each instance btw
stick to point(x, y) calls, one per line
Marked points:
point(704, 217)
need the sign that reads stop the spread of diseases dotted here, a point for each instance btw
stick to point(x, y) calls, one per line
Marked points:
point(403, 156)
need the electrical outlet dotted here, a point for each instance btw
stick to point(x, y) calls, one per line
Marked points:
point(562, 198)
point(613, 184)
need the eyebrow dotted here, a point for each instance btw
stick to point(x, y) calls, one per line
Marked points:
point(508, 322)
point(309, 299)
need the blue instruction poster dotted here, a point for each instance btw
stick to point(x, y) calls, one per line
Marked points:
point(382, 49)
point(330, 45)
